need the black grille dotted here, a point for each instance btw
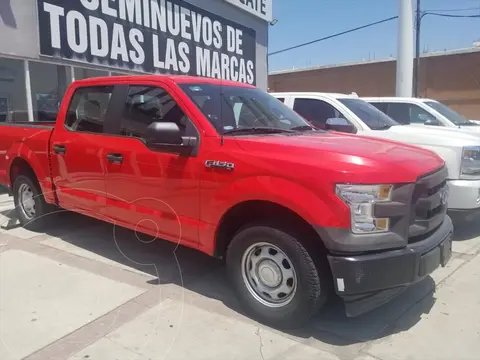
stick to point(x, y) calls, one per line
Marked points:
point(428, 205)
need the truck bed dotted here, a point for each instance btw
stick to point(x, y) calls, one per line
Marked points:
point(31, 138)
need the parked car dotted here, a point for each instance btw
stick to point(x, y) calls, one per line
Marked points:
point(227, 169)
point(416, 111)
point(348, 113)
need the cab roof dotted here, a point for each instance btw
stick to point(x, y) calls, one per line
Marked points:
point(396, 99)
point(178, 79)
point(313, 93)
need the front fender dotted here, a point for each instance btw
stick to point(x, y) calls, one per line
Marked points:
point(39, 163)
point(328, 211)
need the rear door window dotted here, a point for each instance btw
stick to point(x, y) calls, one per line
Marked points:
point(88, 108)
point(383, 107)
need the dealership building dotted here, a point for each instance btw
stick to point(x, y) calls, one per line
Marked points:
point(47, 44)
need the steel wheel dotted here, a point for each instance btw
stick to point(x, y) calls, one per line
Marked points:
point(26, 201)
point(269, 275)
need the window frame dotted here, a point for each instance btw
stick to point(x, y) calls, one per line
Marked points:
point(322, 101)
point(381, 105)
point(397, 103)
point(411, 106)
point(117, 106)
point(109, 119)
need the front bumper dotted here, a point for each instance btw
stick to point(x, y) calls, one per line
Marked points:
point(367, 281)
point(464, 195)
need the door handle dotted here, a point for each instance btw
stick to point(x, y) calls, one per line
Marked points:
point(59, 149)
point(115, 158)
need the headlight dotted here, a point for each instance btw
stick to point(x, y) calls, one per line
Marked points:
point(361, 200)
point(470, 161)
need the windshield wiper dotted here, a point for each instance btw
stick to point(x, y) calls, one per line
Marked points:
point(302, 128)
point(383, 127)
point(257, 130)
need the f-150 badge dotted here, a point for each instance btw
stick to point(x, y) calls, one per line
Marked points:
point(219, 164)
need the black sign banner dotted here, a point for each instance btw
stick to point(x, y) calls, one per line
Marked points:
point(154, 36)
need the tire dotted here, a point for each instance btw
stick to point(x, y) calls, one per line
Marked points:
point(309, 289)
point(37, 218)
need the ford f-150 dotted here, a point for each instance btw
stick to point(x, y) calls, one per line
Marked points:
point(296, 213)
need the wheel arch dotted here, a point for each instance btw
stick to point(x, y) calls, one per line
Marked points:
point(20, 166)
point(22, 159)
point(263, 212)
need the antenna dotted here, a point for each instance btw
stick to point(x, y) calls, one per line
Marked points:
point(221, 112)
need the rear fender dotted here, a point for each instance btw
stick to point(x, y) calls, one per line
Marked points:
point(39, 164)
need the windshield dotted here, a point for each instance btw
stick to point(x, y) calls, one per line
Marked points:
point(450, 114)
point(369, 114)
point(231, 108)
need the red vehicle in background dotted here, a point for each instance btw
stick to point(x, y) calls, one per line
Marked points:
point(225, 168)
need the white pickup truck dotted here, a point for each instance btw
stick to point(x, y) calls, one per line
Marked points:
point(348, 113)
point(416, 111)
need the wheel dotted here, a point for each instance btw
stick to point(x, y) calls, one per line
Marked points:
point(29, 203)
point(275, 278)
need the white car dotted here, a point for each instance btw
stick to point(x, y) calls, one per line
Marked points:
point(348, 113)
point(416, 111)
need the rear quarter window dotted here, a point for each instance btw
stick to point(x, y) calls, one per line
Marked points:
point(383, 107)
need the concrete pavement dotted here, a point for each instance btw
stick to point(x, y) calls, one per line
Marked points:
point(87, 290)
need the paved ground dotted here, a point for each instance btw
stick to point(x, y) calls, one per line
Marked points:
point(87, 290)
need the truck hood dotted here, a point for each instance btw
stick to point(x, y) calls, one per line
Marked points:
point(448, 143)
point(471, 129)
point(431, 135)
point(355, 157)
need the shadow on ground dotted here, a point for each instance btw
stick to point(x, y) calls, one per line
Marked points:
point(203, 275)
point(466, 227)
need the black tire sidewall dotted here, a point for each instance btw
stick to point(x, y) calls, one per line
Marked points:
point(309, 296)
point(40, 205)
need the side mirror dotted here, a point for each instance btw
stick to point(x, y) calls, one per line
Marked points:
point(340, 124)
point(163, 134)
point(432, 122)
point(168, 137)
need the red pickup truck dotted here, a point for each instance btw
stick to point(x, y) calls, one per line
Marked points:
point(297, 213)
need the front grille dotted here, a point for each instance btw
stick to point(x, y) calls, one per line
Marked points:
point(428, 205)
